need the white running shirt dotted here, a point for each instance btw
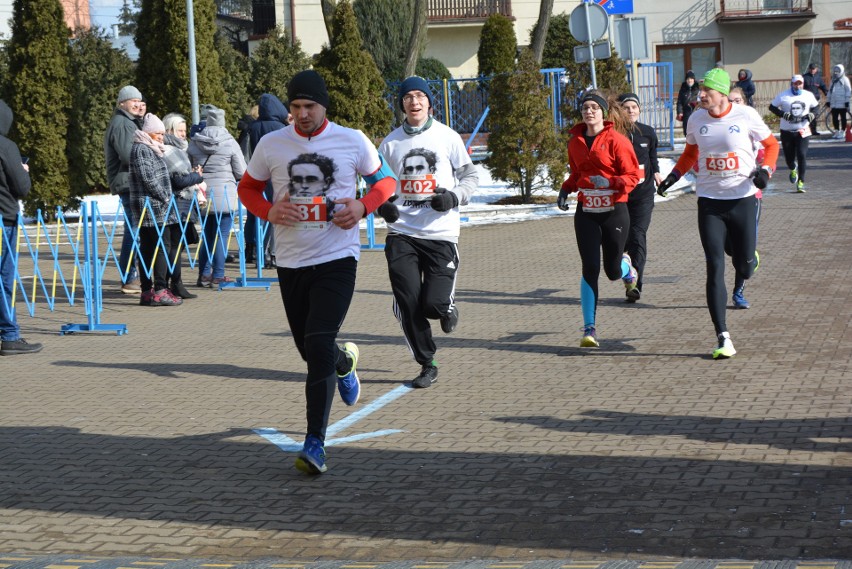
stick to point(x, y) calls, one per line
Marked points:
point(797, 105)
point(726, 153)
point(349, 152)
point(444, 146)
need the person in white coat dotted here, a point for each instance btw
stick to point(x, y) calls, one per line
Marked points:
point(838, 99)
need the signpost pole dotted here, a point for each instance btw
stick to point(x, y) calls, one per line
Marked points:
point(591, 48)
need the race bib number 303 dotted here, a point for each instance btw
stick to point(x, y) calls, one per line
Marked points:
point(598, 201)
point(722, 165)
point(313, 213)
point(417, 187)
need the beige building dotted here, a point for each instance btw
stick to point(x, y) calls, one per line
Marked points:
point(773, 38)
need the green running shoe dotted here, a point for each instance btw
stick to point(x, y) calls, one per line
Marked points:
point(725, 348)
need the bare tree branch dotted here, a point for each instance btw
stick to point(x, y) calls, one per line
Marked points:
point(540, 32)
point(415, 41)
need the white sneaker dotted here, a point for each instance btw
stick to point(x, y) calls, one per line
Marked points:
point(838, 135)
point(725, 347)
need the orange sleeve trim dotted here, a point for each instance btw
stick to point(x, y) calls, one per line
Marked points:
point(687, 160)
point(772, 149)
point(251, 194)
point(378, 194)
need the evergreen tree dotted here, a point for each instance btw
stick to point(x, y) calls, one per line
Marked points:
point(237, 74)
point(128, 17)
point(611, 74)
point(274, 62)
point(4, 71)
point(97, 72)
point(162, 72)
point(385, 27)
point(526, 151)
point(39, 97)
point(355, 86)
point(497, 46)
point(431, 68)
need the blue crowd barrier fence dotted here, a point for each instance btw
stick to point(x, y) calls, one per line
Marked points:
point(69, 258)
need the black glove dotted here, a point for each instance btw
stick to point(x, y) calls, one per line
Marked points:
point(787, 117)
point(760, 177)
point(847, 106)
point(329, 209)
point(388, 210)
point(562, 200)
point(810, 117)
point(670, 181)
point(444, 200)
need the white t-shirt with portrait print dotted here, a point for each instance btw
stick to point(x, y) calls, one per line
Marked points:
point(797, 105)
point(442, 150)
point(346, 153)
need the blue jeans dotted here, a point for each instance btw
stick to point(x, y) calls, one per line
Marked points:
point(9, 330)
point(126, 244)
point(212, 225)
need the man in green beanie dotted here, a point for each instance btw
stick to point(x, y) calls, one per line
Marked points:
point(720, 138)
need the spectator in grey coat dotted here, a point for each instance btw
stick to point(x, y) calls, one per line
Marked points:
point(220, 157)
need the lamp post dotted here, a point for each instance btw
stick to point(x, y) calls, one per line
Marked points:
point(193, 77)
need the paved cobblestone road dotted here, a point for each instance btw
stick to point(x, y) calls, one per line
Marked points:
point(142, 446)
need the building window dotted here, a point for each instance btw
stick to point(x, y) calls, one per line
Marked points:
point(824, 52)
point(699, 57)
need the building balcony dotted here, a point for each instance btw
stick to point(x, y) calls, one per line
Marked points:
point(440, 12)
point(764, 11)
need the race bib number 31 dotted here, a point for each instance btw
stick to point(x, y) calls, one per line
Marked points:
point(722, 165)
point(313, 213)
point(598, 201)
point(417, 187)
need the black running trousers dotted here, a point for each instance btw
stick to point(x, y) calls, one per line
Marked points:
point(795, 151)
point(316, 300)
point(423, 279)
point(720, 221)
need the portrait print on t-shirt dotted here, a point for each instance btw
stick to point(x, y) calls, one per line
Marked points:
point(311, 175)
point(417, 181)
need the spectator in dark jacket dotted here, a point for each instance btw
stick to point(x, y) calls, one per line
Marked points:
point(118, 140)
point(272, 115)
point(15, 183)
point(687, 98)
point(745, 83)
point(814, 83)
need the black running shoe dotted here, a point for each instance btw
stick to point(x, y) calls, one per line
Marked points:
point(450, 320)
point(428, 376)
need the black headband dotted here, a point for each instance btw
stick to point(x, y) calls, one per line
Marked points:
point(629, 97)
point(596, 99)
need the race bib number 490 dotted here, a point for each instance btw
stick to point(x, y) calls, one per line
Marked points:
point(722, 165)
point(417, 187)
point(313, 213)
point(598, 201)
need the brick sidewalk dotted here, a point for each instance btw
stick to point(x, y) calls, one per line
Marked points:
point(528, 448)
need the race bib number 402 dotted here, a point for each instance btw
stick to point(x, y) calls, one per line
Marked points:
point(313, 213)
point(417, 187)
point(722, 165)
point(598, 201)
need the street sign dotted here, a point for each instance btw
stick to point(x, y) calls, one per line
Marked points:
point(631, 38)
point(586, 30)
point(614, 7)
point(600, 50)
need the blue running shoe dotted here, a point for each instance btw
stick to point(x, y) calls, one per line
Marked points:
point(311, 459)
point(632, 278)
point(348, 384)
point(739, 299)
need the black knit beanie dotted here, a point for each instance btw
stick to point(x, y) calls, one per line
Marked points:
point(308, 85)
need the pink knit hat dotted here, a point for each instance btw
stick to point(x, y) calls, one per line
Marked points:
point(153, 123)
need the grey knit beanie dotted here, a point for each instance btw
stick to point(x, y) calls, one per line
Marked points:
point(215, 116)
point(128, 92)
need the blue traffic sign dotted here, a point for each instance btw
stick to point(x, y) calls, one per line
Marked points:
point(613, 7)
